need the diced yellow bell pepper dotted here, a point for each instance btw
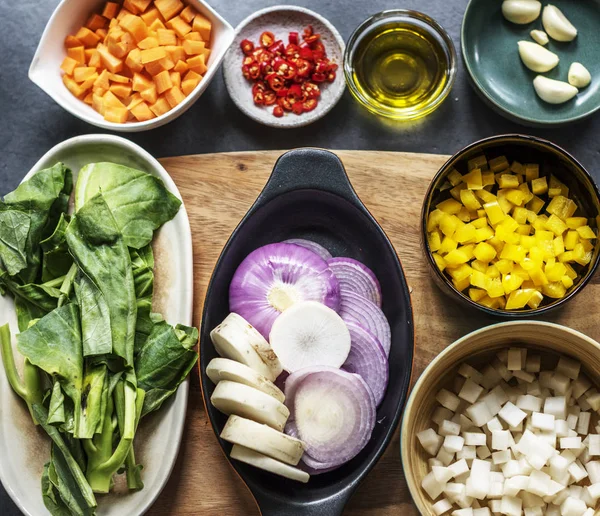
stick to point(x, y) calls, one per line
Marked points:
point(480, 222)
point(537, 254)
point(587, 245)
point(520, 271)
point(511, 282)
point(508, 181)
point(505, 266)
point(555, 272)
point(492, 272)
point(449, 206)
point(520, 215)
point(554, 290)
point(485, 252)
point(448, 244)
point(542, 234)
point(434, 240)
point(553, 192)
point(539, 186)
point(562, 207)
point(527, 241)
point(531, 216)
point(457, 257)
point(586, 232)
point(555, 183)
point(566, 281)
point(556, 225)
point(539, 224)
point(527, 195)
point(462, 284)
point(580, 255)
point(482, 234)
point(455, 192)
point(559, 245)
point(499, 164)
point(504, 203)
point(513, 252)
point(494, 212)
point(454, 177)
point(434, 219)
point(477, 294)
point(515, 196)
point(532, 171)
point(477, 162)
point(495, 288)
point(461, 272)
point(524, 230)
point(481, 213)
point(510, 237)
point(496, 243)
point(537, 276)
point(449, 224)
point(489, 302)
point(517, 168)
point(567, 256)
point(467, 197)
point(479, 266)
point(439, 261)
point(486, 196)
point(465, 234)
point(536, 300)
point(571, 240)
point(473, 179)
point(464, 215)
point(576, 222)
point(519, 298)
point(535, 205)
point(479, 279)
point(570, 271)
point(488, 178)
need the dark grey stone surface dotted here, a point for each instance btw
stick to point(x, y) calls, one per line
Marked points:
point(31, 123)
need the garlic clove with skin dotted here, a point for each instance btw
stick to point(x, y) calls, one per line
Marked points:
point(553, 92)
point(521, 12)
point(539, 36)
point(557, 25)
point(579, 76)
point(536, 57)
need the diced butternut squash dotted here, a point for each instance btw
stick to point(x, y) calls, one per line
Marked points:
point(162, 81)
point(149, 42)
point(188, 14)
point(87, 37)
point(96, 21)
point(166, 37)
point(110, 62)
point(150, 16)
point(152, 54)
point(110, 99)
point(77, 53)
point(196, 47)
point(135, 26)
point(174, 96)
point(72, 41)
point(134, 60)
point(160, 107)
point(103, 80)
point(81, 73)
point(181, 67)
point(72, 86)
point(141, 82)
point(203, 26)
point(175, 79)
point(142, 112)
point(121, 90)
point(150, 95)
point(169, 8)
point(110, 10)
point(116, 114)
point(68, 65)
point(178, 25)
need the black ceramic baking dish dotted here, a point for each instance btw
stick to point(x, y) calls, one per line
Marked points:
point(310, 196)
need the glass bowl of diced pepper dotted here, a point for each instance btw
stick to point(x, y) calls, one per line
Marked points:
point(510, 226)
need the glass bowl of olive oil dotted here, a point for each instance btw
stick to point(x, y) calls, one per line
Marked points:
point(400, 64)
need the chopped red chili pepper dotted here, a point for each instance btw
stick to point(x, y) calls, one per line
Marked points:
point(284, 68)
point(284, 103)
point(282, 92)
point(293, 38)
point(270, 97)
point(275, 81)
point(277, 47)
point(318, 46)
point(311, 90)
point(309, 105)
point(307, 53)
point(313, 38)
point(254, 71)
point(297, 108)
point(303, 68)
point(292, 50)
point(321, 67)
point(318, 77)
point(259, 98)
point(247, 46)
point(308, 31)
point(295, 91)
point(266, 68)
point(266, 39)
point(248, 60)
point(278, 111)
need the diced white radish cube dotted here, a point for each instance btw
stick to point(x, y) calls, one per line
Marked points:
point(479, 413)
point(454, 490)
point(466, 371)
point(467, 453)
point(557, 406)
point(573, 507)
point(577, 471)
point(463, 512)
point(533, 363)
point(539, 483)
point(441, 507)
point(513, 485)
point(478, 483)
point(594, 444)
point(570, 368)
point(512, 414)
point(459, 467)
point(430, 441)
point(583, 423)
point(524, 375)
point(442, 474)
point(589, 512)
point(529, 403)
point(561, 427)
point(453, 443)
point(494, 424)
point(511, 468)
point(594, 491)
point(536, 450)
point(594, 401)
point(533, 511)
point(449, 428)
point(496, 490)
point(533, 388)
point(500, 367)
point(432, 461)
point(431, 486)
point(501, 457)
point(559, 383)
point(542, 421)
point(500, 439)
point(547, 436)
point(492, 403)
point(474, 439)
point(444, 456)
point(448, 400)
point(495, 506)
point(511, 506)
point(441, 414)
point(482, 511)
point(483, 452)
point(514, 359)
point(490, 377)
point(462, 479)
point(580, 386)
point(570, 443)
point(531, 500)
point(593, 469)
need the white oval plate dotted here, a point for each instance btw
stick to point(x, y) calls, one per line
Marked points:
point(24, 449)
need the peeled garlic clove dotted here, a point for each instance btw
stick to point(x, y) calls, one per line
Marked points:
point(521, 11)
point(553, 92)
point(556, 24)
point(539, 36)
point(536, 57)
point(579, 76)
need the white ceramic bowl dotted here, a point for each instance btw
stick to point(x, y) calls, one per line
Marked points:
point(280, 20)
point(67, 18)
point(23, 447)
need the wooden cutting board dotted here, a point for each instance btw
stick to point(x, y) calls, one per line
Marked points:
point(217, 190)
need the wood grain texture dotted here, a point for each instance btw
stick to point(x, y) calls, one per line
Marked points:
point(217, 190)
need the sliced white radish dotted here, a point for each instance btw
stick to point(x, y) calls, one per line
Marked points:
point(225, 369)
point(258, 460)
point(242, 400)
point(309, 334)
point(263, 439)
point(237, 339)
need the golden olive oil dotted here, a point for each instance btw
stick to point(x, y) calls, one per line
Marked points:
point(401, 67)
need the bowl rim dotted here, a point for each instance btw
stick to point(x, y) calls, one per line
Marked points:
point(413, 488)
point(410, 15)
point(500, 108)
point(172, 114)
point(293, 123)
point(515, 314)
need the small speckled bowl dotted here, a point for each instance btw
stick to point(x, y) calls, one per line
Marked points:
point(281, 20)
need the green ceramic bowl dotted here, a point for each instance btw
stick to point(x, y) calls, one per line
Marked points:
point(490, 53)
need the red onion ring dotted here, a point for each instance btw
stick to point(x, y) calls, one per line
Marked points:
point(356, 277)
point(311, 246)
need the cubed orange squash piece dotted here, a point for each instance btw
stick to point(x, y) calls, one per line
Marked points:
point(206, 54)
point(142, 112)
point(72, 86)
point(168, 8)
point(134, 60)
point(140, 82)
point(192, 76)
point(166, 37)
point(98, 103)
point(110, 99)
point(190, 81)
point(87, 37)
point(188, 14)
point(95, 60)
point(150, 95)
point(88, 54)
point(101, 33)
point(88, 99)
point(180, 27)
point(117, 48)
point(163, 82)
point(81, 73)
point(77, 53)
point(195, 36)
point(123, 13)
point(148, 42)
point(174, 96)
point(128, 41)
point(150, 16)
point(160, 107)
point(176, 53)
point(110, 10)
point(175, 79)
point(153, 54)
point(197, 64)
point(72, 41)
point(121, 90)
point(156, 25)
point(103, 80)
point(112, 63)
point(167, 63)
point(203, 26)
point(96, 21)
point(193, 47)
point(142, 5)
point(134, 100)
point(68, 65)
point(154, 68)
point(116, 114)
point(181, 67)
point(114, 77)
point(89, 82)
point(135, 26)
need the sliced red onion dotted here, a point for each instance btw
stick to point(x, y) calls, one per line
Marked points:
point(334, 413)
point(311, 246)
point(367, 359)
point(355, 308)
point(308, 464)
point(274, 277)
point(356, 277)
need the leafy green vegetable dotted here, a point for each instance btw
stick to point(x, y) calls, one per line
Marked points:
point(56, 410)
point(164, 362)
point(142, 262)
point(14, 228)
point(56, 260)
point(95, 317)
point(52, 499)
point(100, 253)
point(140, 202)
